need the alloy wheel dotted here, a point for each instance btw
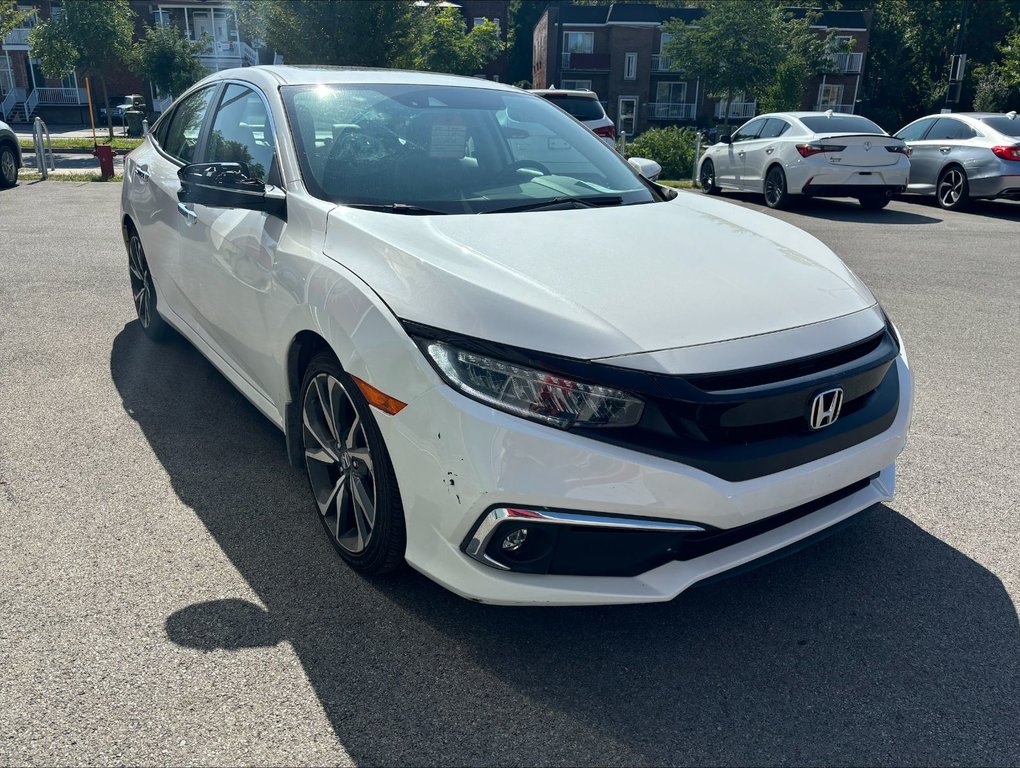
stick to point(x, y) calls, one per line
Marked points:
point(340, 463)
point(951, 188)
point(708, 176)
point(775, 188)
point(8, 168)
point(141, 281)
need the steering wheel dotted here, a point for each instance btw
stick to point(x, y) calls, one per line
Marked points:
point(524, 165)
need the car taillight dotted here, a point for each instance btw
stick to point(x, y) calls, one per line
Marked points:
point(605, 131)
point(903, 150)
point(1007, 153)
point(806, 150)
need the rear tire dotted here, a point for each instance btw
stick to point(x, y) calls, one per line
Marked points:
point(707, 178)
point(143, 291)
point(776, 194)
point(952, 190)
point(874, 201)
point(8, 167)
point(349, 470)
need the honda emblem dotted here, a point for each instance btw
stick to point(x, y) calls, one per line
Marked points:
point(825, 408)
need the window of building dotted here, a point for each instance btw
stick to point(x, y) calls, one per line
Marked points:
point(830, 96)
point(579, 42)
point(666, 37)
point(477, 21)
point(671, 93)
point(630, 66)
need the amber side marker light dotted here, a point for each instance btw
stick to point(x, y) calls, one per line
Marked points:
point(380, 400)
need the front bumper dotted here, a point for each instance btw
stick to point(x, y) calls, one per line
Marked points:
point(456, 459)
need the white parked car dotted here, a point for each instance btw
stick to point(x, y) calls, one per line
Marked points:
point(584, 106)
point(532, 387)
point(819, 154)
point(10, 156)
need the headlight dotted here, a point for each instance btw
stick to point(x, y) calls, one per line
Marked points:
point(533, 394)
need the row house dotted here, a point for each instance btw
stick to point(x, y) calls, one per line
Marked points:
point(26, 92)
point(618, 51)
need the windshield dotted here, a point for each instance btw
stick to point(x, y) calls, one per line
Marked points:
point(450, 150)
point(841, 124)
point(581, 107)
point(1003, 125)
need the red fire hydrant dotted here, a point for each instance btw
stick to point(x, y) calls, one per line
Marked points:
point(105, 154)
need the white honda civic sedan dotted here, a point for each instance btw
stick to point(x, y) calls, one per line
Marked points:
point(815, 154)
point(532, 387)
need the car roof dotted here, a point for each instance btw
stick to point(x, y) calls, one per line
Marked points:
point(583, 94)
point(271, 76)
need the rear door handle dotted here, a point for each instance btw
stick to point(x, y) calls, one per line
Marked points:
point(944, 149)
point(770, 150)
point(741, 153)
point(142, 172)
point(189, 215)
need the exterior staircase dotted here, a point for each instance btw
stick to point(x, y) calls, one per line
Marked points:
point(18, 115)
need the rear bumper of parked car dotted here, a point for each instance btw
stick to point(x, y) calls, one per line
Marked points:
point(1003, 181)
point(824, 179)
point(461, 464)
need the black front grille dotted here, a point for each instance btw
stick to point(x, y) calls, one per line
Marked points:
point(740, 424)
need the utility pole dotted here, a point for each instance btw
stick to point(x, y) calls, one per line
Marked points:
point(958, 62)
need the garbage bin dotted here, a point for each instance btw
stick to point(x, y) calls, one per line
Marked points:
point(133, 118)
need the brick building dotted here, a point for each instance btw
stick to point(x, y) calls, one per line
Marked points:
point(616, 50)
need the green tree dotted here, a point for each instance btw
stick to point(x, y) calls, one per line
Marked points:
point(1010, 51)
point(442, 43)
point(10, 16)
point(733, 48)
point(92, 35)
point(168, 60)
point(359, 33)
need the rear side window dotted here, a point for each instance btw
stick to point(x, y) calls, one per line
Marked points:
point(580, 107)
point(945, 129)
point(916, 131)
point(186, 125)
point(241, 132)
point(774, 128)
point(1003, 125)
point(841, 124)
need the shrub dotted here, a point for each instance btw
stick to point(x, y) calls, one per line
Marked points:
point(672, 148)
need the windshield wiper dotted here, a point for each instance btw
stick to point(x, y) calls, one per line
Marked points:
point(566, 202)
point(405, 208)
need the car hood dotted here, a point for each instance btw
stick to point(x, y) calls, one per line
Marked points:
point(599, 282)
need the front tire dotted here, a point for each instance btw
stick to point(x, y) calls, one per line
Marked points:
point(349, 470)
point(707, 178)
point(777, 196)
point(143, 291)
point(8, 167)
point(952, 190)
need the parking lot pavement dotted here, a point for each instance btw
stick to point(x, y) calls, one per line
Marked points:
point(166, 595)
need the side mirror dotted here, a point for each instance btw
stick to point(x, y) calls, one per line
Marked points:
point(726, 139)
point(229, 185)
point(647, 168)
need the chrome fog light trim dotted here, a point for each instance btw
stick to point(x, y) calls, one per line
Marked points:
point(478, 542)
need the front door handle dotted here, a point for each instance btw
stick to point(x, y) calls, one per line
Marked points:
point(769, 151)
point(943, 150)
point(189, 215)
point(741, 153)
point(142, 172)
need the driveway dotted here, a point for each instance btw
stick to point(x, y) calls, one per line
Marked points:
point(166, 595)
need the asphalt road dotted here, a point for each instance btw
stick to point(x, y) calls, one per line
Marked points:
point(167, 597)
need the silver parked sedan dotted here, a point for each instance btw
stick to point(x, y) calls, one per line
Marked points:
point(962, 156)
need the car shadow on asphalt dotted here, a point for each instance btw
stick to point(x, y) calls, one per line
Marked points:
point(881, 645)
point(836, 210)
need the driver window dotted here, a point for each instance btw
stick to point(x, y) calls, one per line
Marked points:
point(748, 131)
point(241, 133)
point(186, 125)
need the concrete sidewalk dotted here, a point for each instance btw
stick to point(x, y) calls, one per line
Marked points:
point(73, 162)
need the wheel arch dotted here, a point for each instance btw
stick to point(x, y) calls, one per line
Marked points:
point(6, 141)
point(303, 347)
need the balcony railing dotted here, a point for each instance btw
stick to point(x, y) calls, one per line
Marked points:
point(72, 96)
point(848, 63)
point(585, 61)
point(13, 97)
point(662, 110)
point(17, 36)
point(848, 108)
point(662, 63)
point(249, 56)
point(737, 109)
